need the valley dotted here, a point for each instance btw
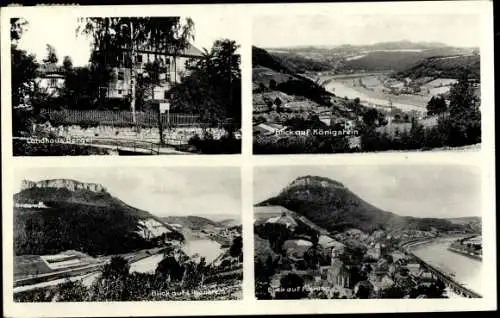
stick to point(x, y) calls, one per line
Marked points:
point(379, 92)
point(319, 240)
point(69, 236)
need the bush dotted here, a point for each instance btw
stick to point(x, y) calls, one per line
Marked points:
point(224, 145)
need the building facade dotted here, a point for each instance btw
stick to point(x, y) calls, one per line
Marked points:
point(50, 79)
point(172, 67)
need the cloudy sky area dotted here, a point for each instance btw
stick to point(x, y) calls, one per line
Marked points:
point(60, 31)
point(421, 191)
point(207, 191)
point(323, 30)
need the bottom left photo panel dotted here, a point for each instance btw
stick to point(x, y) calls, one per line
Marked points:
point(127, 234)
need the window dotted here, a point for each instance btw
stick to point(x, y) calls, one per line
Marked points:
point(121, 75)
point(166, 95)
point(53, 82)
point(120, 92)
point(139, 59)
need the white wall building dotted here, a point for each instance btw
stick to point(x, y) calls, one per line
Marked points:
point(50, 80)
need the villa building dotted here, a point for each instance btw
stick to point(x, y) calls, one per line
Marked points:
point(173, 66)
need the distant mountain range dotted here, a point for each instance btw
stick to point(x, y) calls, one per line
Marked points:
point(417, 58)
point(53, 217)
point(332, 206)
point(198, 223)
point(389, 45)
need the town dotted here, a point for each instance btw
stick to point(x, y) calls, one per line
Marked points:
point(397, 93)
point(296, 257)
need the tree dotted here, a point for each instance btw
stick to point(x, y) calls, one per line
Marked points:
point(392, 292)
point(262, 87)
point(23, 74)
point(370, 117)
point(462, 126)
point(72, 292)
point(51, 55)
point(363, 289)
point(213, 87)
point(236, 249)
point(116, 268)
point(277, 102)
point(272, 84)
point(291, 287)
point(436, 105)
point(192, 276)
point(170, 267)
point(312, 257)
point(23, 65)
point(67, 64)
point(416, 136)
point(17, 28)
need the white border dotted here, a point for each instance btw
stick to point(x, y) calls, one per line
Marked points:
point(249, 305)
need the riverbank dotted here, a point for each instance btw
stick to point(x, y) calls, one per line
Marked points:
point(465, 253)
point(462, 269)
point(372, 95)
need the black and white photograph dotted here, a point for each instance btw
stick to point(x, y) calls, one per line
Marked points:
point(125, 85)
point(150, 234)
point(366, 83)
point(248, 159)
point(326, 233)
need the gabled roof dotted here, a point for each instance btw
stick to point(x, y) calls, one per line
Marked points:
point(190, 51)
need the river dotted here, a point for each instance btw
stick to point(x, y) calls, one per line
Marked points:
point(468, 271)
point(340, 89)
point(203, 247)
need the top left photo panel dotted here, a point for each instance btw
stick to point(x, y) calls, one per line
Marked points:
point(162, 85)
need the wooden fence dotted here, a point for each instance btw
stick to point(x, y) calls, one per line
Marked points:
point(122, 118)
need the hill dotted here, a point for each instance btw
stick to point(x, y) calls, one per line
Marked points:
point(287, 77)
point(334, 207)
point(399, 60)
point(444, 67)
point(192, 222)
point(302, 64)
point(261, 57)
point(197, 223)
point(91, 222)
point(474, 223)
point(383, 56)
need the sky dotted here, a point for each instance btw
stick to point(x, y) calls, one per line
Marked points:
point(323, 30)
point(182, 191)
point(416, 190)
point(61, 33)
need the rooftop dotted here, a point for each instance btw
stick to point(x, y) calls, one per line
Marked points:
point(50, 69)
point(190, 51)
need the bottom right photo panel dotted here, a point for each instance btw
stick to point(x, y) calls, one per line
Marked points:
point(368, 231)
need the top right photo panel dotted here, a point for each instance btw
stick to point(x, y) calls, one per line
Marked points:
point(366, 83)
